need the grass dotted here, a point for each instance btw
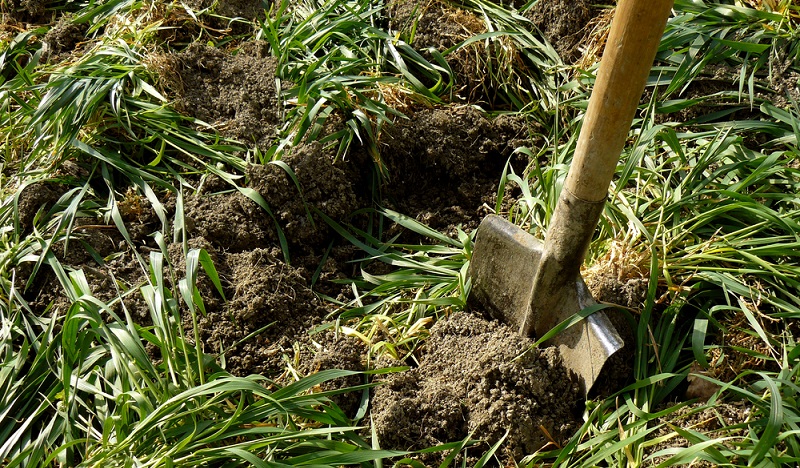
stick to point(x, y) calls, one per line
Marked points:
point(705, 197)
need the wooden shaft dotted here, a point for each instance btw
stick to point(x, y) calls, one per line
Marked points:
point(632, 44)
point(636, 31)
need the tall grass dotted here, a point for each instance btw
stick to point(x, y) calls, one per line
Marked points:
point(336, 58)
point(84, 387)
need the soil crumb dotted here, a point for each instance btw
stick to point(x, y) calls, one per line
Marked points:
point(478, 377)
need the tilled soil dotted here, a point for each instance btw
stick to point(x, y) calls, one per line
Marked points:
point(482, 378)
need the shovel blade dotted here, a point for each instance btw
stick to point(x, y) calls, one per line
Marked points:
point(504, 262)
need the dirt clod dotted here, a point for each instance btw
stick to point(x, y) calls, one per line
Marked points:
point(231, 221)
point(341, 353)
point(268, 295)
point(40, 195)
point(323, 185)
point(563, 23)
point(444, 164)
point(63, 39)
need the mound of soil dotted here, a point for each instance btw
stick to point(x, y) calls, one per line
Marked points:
point(564, 24)
point(338, 352)
point(63, 39)
point(478, 377)
point(40, 195)
point(324, 185)
point(230, 221)
point(265, 292)
point(232, 90)
point(33, 11)
point(445, 163)
point(244, 9)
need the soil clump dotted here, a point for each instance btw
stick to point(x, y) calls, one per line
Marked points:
point(29, 11)
point(478, 377)
point(321, 184)
point(438, 25)
point(39, 195)
point(232, 90)
point(230, 221)
point(444, 164)
point(265, 294)
point(338, 352)
point(63, 40)
point(564, 24)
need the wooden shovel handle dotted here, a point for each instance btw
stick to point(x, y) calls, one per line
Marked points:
point(632, 44)
point(636, 31)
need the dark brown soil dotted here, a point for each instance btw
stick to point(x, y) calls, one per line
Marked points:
point(564, 24)
point(230, 221)
point(31, 11)
point(64, 39)
point(444, 164)
point(481, 378)
point(480, 69)
point(265, 292)
point(230, 17)
point(441, 25)
point(338, 352)
point(233, 90)
point(244, 9)
point(40, 195)
point(324, 184)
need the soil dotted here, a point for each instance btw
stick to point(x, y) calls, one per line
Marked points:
point(324, 184)
point(440, 25)
point(478, 377)
point(338, 352)
point(233, 90)
point(564, 24)
point(445, 163)
point(40, 195)
point(64, 39)
point(264, 292)
point(32, 11)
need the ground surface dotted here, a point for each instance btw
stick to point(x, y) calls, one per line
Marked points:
point(472, 376)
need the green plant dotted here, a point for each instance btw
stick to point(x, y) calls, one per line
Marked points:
point(337, 59)
point(429, 280)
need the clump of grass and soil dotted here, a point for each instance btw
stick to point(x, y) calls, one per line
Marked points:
point(238, 233)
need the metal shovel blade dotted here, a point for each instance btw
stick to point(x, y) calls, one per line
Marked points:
point(503, 262)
